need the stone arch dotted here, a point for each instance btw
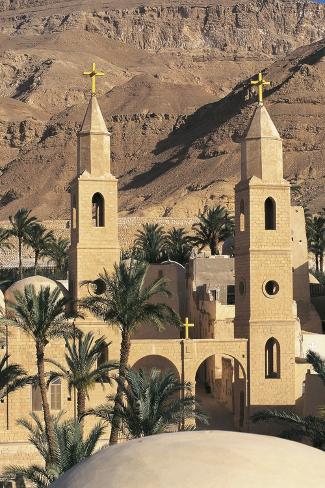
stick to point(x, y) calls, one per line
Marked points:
point(98, 210)
point(229, 388)
point(169, 351)
point(156, 361)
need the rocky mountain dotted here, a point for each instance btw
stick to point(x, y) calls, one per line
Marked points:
point(176, 97)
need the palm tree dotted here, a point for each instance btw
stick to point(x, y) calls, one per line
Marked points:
point(12, 376)
point(127, 304)
point(151, 403)
point(177, 245)
point(57, 251)
point(149, 243)
point(39, 239)
point(317, 362)
point(21, 224)
point(4, 236)
point(215, 225)
point(316, 239)
point(72, 448)
point(42, 317)
point(85, 371)
point(299, 428)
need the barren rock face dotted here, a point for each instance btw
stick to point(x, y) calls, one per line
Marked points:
point(175, 97)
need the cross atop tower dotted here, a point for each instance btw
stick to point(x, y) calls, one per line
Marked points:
point(260, 82)
point(93, 74)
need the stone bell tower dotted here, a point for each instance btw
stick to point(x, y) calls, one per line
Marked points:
point(94, 228)
point(263, 269)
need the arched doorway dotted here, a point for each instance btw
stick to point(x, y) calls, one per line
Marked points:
point(156, 361)
point(220, 387)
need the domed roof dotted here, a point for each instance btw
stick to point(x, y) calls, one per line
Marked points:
point(37, 281)
point(203, 458)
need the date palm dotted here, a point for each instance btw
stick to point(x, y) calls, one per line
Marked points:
point(12, 376)
point(149, 243)
point(21, 224)
point(215, 225)
point(41, 315)
point(177, 245)
point(297, 428)
point(127, 304)
point(316, 239)
point(317, 362)
point(39, 239)
point(72, 448)
point(57, 251)
point(4, 243)
point(84, 371)
point(151, 403)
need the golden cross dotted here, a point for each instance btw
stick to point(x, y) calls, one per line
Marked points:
point(93, 73)
point(260, 82)
point(187, 325)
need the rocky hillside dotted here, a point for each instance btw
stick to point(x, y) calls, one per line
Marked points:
point(175, 97)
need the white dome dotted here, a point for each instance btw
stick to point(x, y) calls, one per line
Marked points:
point(37, 281)
point(204, 459)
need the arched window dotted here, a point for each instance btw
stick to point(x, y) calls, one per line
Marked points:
point(270, 214)
point(242, 216)
point(98, 212)
point(56, 394)
point(272, 358)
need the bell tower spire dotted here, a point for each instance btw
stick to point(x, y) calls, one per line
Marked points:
point(263, 266)
point(94, 211)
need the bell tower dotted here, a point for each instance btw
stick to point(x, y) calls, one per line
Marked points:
point(94, 212)
point(264, 295)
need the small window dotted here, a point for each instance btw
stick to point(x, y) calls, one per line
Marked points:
point(270, 214)
point(56, 394)
point(98, 217)
point(74, 213)
point(242, 216)
point(231, 295)
point(272, 358)
point(36, 399)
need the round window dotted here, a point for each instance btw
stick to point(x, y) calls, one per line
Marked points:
point(271, 288)
point(242, 288)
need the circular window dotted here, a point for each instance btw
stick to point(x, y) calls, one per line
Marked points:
point(97, 287)
point(271, 288)
point(242, 288)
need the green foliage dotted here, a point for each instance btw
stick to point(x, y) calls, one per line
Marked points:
point(12, 376)
point(72, 448)
point(151, 403)
point(315, 228)
point(40, 314)
point(83, 371)
point(178, 245)
point(297, 428)
point(317, 362)
point(39, 239)
point(127, 303)
point(215, 225)
point(21, 224)
point(4, 236)
point(58, 251)
point(149, 243)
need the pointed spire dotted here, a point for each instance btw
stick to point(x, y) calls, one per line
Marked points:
point(262, 149)
point(94, 142)
point(93, 121)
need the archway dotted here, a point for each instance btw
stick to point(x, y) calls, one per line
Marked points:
point(156, 361)
point(220, 387)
